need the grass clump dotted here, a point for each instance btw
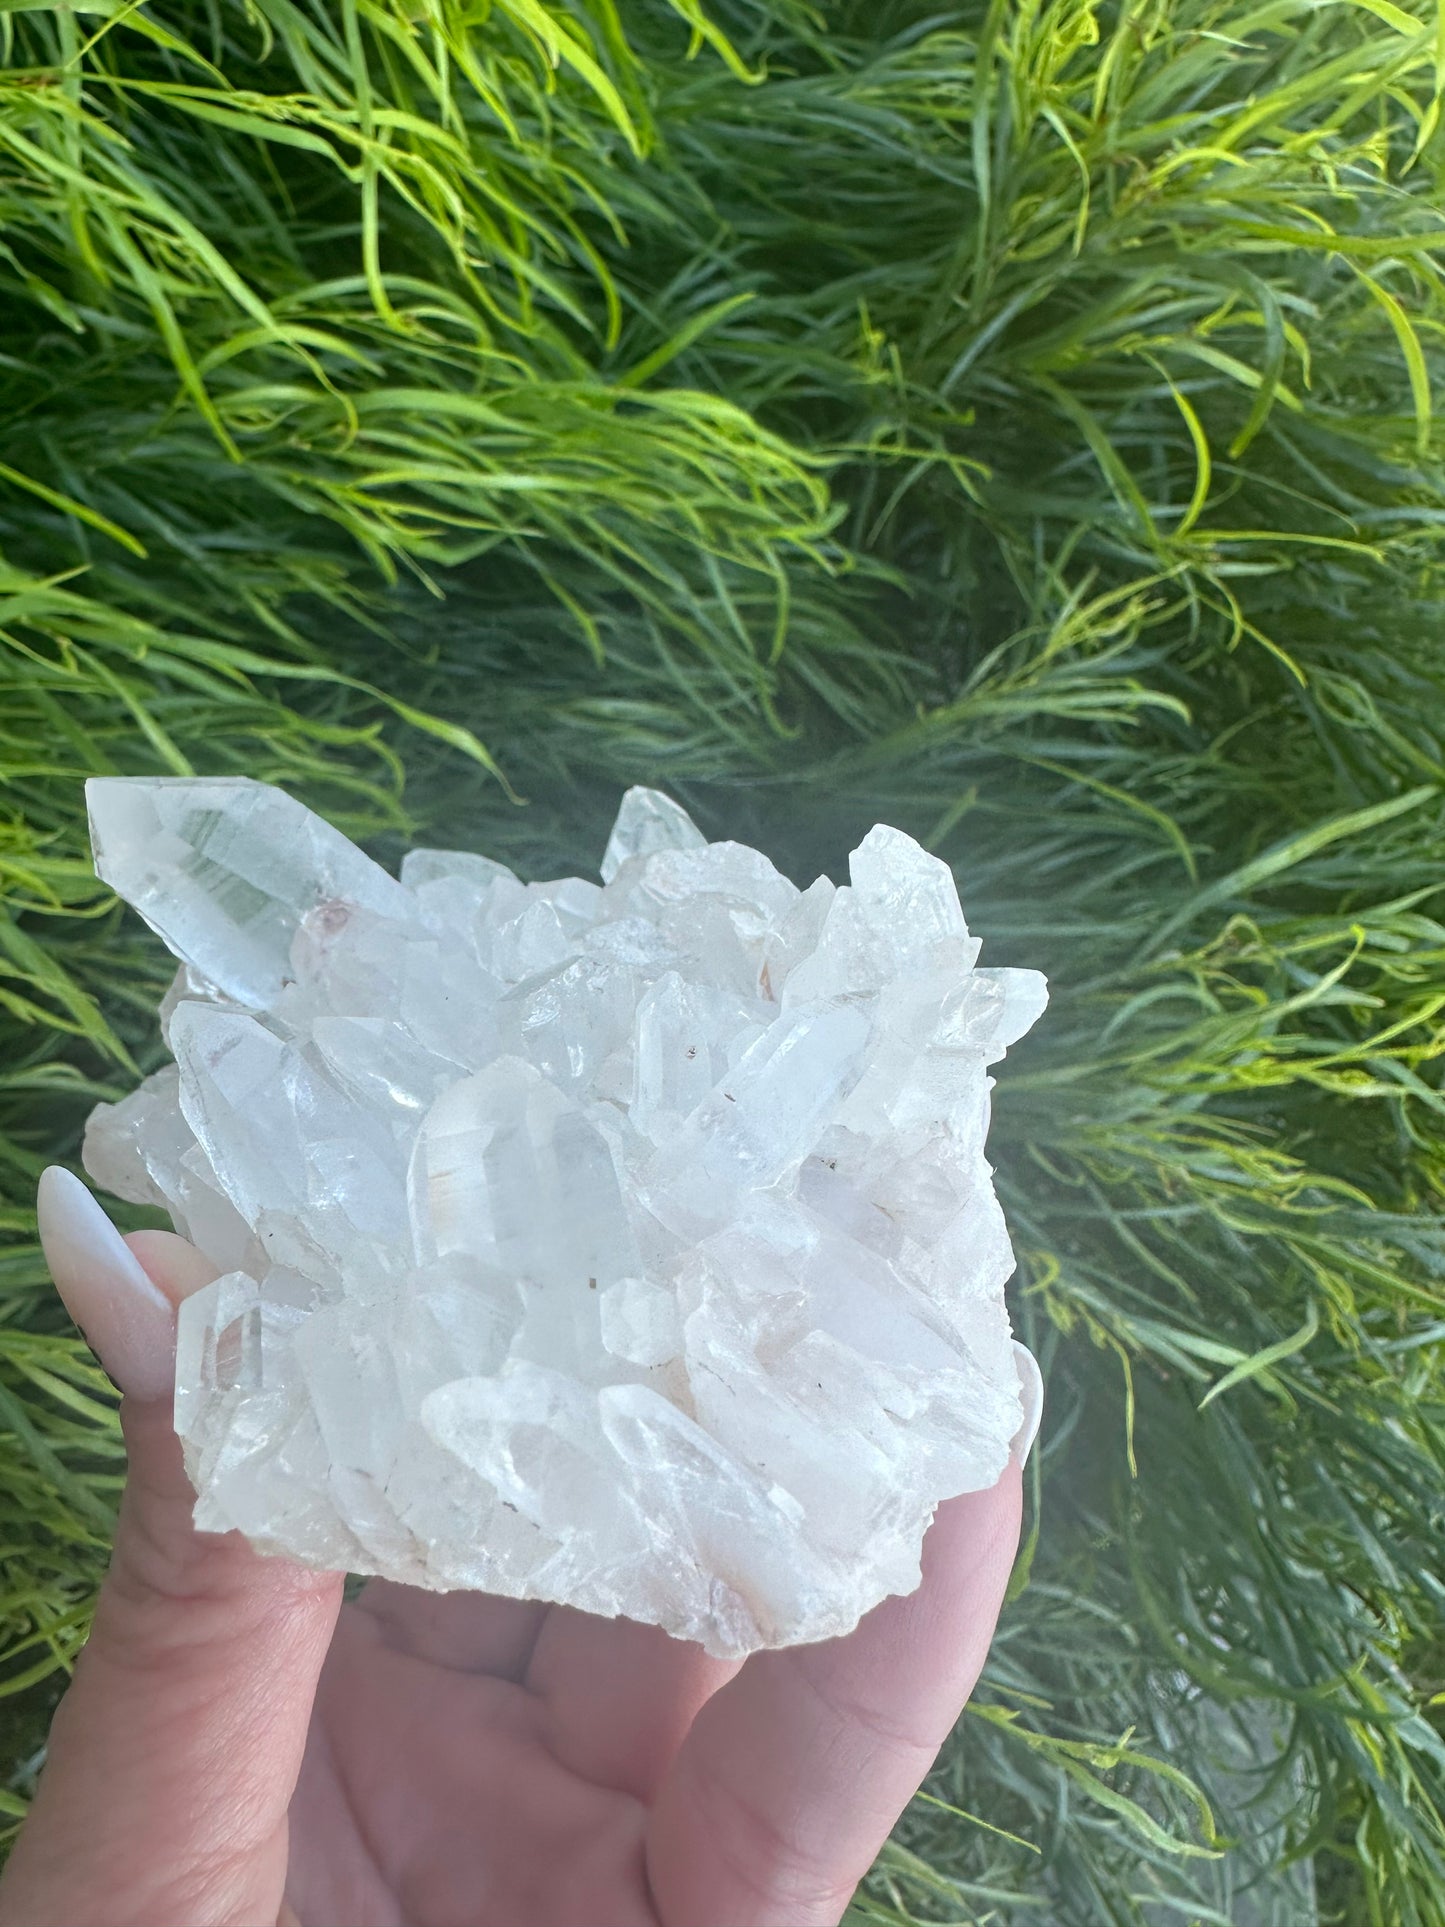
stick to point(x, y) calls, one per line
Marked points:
point(1015, 421)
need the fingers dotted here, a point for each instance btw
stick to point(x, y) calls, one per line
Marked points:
point(619, 1697)
point(466, 1632)
point(793, 1775)
point(126, 1317)
point(174, 1753)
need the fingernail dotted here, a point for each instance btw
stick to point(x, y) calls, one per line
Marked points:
point(1031, 1391)
point(128, 1322)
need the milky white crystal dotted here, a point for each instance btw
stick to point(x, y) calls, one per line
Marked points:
point(631, 1246)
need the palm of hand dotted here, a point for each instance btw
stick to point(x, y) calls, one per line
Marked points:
point(477, 1762)
point(481, 1762)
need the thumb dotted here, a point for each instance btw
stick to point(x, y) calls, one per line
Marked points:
point(175, 1752)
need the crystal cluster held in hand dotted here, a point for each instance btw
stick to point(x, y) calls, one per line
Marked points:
point(629, 1245)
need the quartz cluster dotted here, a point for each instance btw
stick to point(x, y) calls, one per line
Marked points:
point(626, 1244)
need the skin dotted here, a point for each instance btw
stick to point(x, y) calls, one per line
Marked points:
point(239, 1748)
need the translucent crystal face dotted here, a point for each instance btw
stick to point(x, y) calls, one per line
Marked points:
point(631, 1246)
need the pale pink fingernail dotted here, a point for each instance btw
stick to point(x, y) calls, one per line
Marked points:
point(1031, 1391)
point(128, 1322)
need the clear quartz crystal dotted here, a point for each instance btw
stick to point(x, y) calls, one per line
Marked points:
point(631, 1246)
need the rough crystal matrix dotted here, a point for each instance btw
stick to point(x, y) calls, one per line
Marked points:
point(629, 1245)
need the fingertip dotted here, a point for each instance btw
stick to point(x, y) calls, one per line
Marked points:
point(172, 1263)
point(969, 1552)
point(127, 1319)
point(1031, 1393)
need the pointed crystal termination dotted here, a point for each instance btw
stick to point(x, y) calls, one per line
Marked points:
point(223, 869)
point(648, 822)
point(630, 1246)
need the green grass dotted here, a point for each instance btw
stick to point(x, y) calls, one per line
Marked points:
point(1014, 422)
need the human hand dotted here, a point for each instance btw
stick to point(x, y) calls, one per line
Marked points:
point(240, 1749)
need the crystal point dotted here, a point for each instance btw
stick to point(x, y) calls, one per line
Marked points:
point(631, 1246)
point(223, 869)
point(646, 823)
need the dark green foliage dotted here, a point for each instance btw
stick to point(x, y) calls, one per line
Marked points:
point(1013, 422)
